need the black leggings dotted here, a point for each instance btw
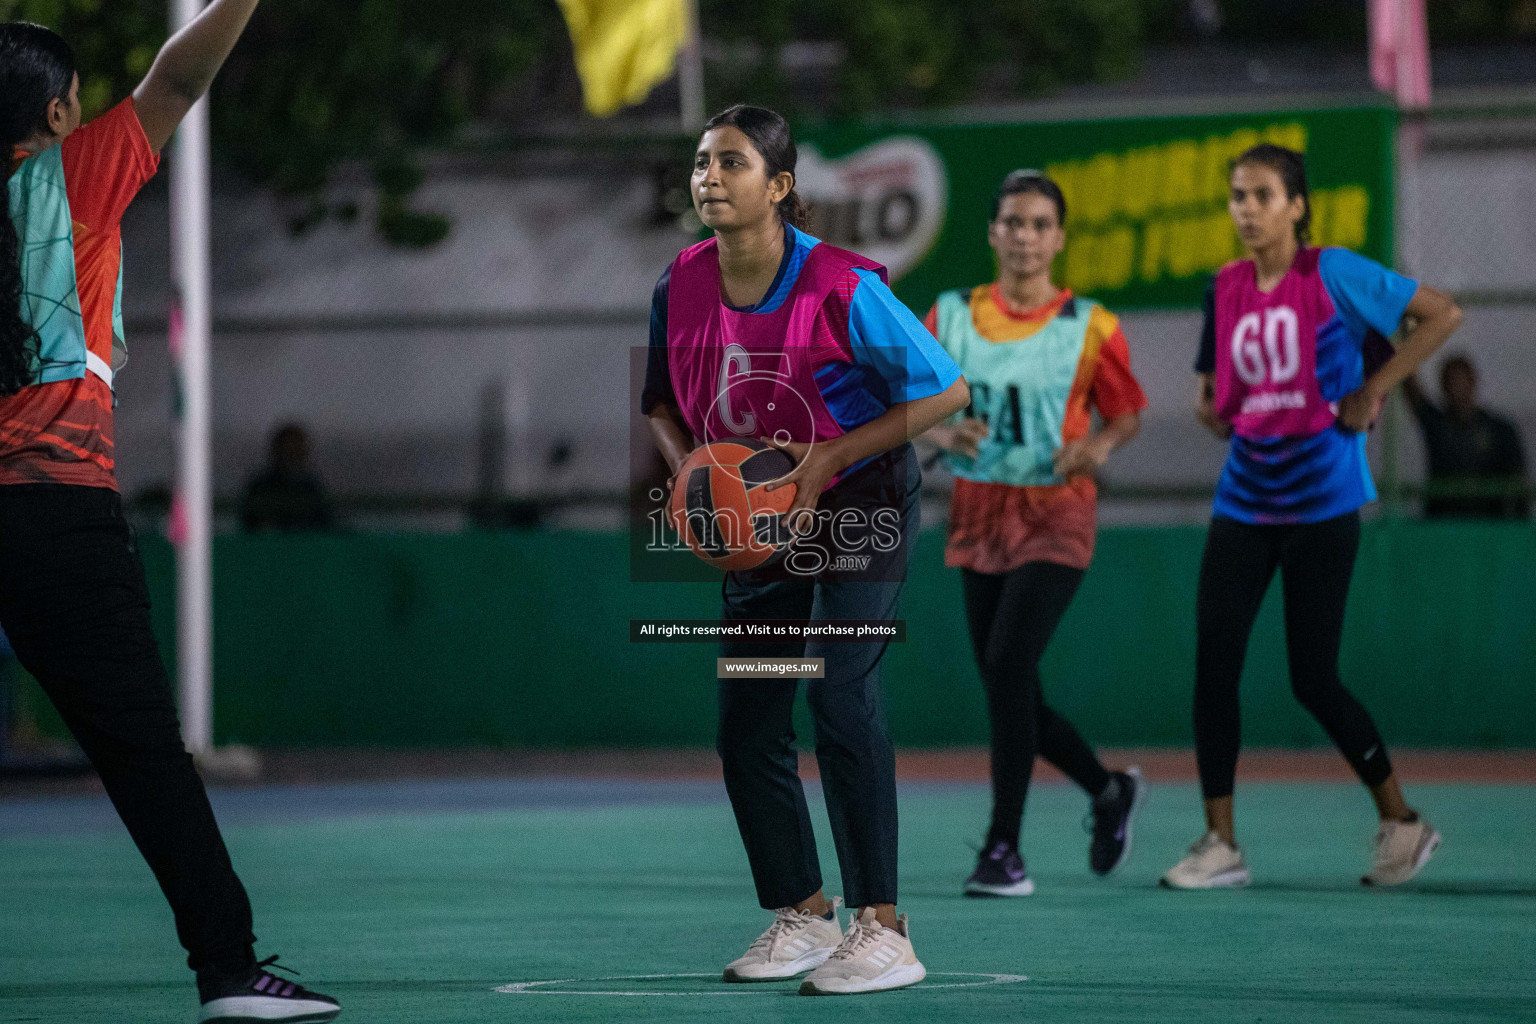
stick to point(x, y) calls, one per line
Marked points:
point(1315, 561)
point(74, 603)
point(1012, 616)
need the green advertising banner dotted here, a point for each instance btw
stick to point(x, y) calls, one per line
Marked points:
point(1146, 197)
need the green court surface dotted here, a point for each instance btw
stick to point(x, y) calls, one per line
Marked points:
point(417, 904)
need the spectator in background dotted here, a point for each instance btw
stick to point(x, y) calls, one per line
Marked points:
point(1476, 464)
point(287, 495)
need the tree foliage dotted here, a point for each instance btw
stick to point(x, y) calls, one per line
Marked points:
point(935, 52)
point(313, 85)
point(317, 83)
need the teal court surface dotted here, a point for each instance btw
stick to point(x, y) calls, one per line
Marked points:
point(570, 900)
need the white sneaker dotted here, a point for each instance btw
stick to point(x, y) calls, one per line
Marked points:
point(1402, 849)
point(796, 942)
point(1211, 864)
point(872, 958)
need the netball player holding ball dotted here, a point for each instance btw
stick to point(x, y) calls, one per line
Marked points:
point(1038, 360)
point(72, 593)
point(1285, 372)
point(763, 332)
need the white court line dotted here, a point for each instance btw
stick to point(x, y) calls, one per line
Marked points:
point(542, 988)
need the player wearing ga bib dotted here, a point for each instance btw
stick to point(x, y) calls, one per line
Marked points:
point(1036, 377)
point(1039, 362)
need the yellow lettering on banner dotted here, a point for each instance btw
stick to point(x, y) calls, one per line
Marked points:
point(1291, 136)
point(1140, 176)
point(1212, 169)
point(1225, 246)
point(1179, 186)
point(1100, 188)
point(1154, 250)
point(1116, 258)
point(1066, 176)
point(1079, 262)
point(1159, 211)
point(1320, 202)
point(1186, 256)
point(1196, 244)
point(1342, 216)
point(1242, 140)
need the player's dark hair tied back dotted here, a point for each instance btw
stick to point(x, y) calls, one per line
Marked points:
point(1292, 168)
point(36, 67)
point(774, 141)
point(1025, 181)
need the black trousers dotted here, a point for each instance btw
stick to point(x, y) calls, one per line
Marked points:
point(1012, 617)
point(1316, 561)
point(74, 603)
point(756, 738)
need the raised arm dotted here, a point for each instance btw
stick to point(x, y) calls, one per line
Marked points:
point(186, 67)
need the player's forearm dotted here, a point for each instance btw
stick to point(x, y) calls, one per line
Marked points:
point(672, 437)
point(1438, 318)
point(1117, 433)
point(1205, 403)
point(900, 424)
point(189, 61)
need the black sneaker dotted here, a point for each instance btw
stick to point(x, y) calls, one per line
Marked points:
point(999, 871)
point(259, 995)
point(1113, 812)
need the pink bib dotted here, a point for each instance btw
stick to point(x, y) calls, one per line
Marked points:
point(1266, 350)
point(741, 374)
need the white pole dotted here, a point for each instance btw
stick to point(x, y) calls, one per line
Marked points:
point(1399, 41)
point(690, 74)
point(194, 561)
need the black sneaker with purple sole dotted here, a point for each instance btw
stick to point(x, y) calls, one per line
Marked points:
point(1000, 871)
point(257, 994)
point(1111, 819)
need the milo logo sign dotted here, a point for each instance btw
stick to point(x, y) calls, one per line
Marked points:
point(1147, 218)
point(886, 201)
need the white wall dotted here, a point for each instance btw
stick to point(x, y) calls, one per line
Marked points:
point(397, 412)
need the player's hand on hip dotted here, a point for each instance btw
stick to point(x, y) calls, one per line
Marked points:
point(965, 437)
point(1205, 412)
point(1359, 409)
point(1082, 457)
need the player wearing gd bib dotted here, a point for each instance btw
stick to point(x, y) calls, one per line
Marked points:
point(1022, 520)
point(1287, 371)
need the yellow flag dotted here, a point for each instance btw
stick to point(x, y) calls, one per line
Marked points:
point(624, 47)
